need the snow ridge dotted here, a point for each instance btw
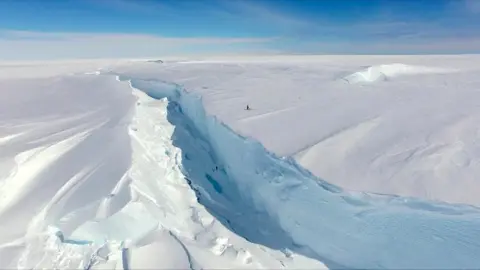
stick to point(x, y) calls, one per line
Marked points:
point(309, 216)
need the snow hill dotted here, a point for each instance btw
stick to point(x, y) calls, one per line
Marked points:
point(124, 168)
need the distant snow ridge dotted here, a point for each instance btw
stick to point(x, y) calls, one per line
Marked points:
point(273, 202)
point(156, 61)
point(387, 71)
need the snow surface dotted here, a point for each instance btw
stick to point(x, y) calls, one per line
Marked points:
point(93, 180)
point(126, 167)
point(413, 134)
point(46, 69)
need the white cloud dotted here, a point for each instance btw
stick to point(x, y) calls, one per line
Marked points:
point(39, 45)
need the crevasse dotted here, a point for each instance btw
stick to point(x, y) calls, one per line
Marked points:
point(274, 202)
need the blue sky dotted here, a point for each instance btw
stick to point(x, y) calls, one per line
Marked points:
point(143, 28)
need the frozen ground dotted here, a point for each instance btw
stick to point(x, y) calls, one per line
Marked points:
point(119, 165)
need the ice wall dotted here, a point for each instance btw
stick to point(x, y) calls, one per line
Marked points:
point(342, 229)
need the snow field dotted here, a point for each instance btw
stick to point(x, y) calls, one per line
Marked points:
point(148, 206)
point(56, 127)
point(181, 189)
point(412, 135)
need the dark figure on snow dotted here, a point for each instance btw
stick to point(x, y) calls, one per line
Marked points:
point(248, 108)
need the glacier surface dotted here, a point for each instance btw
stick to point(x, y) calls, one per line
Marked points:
point(274, 202)
point(116, 170)
point(414, 134)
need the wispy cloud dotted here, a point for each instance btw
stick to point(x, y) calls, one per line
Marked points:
point(33, 45)
point(472, 6)
point(32, 35)
point(457, 31)
point(249, 9)
point(382, 27)
point(143, 6)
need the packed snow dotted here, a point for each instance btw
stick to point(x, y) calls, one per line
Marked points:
point(157, 164)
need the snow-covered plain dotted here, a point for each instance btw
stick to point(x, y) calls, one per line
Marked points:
point(121, 165)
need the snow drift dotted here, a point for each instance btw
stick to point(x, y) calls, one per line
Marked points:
point(274, 202)
point(388, 71)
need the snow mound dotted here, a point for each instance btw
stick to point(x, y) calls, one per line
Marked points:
point(165, 253)
point(388, 71)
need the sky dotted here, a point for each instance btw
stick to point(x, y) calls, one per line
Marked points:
point(53, 29)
